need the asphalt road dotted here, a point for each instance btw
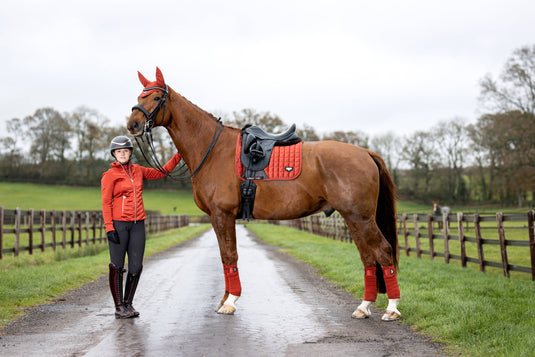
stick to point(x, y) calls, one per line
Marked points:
point(286, 309)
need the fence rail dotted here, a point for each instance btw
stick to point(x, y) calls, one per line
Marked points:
point(30, 230)
point(420, 233)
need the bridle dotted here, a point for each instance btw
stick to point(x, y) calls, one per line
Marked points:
point(149, 150)
point(149, 122)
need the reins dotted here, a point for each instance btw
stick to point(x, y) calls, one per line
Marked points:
point(149, 153)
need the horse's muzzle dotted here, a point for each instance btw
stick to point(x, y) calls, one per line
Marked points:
point(135, 128)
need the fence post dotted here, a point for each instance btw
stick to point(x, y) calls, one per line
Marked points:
point(479, 242)
point(94, 227)
point(53, 221)
point(17, 232)
point(72, 228)
point(43, 229)
point(431, 236)
point(101, 223)
point(446, 228)
point(406, 234)
point(461, 238)
point(86, 215)
point(503, 248)
point(532, 243)
point(1, 230)
point(30, 231)
point(417, 236)
point(79, 217)
point(64, 226)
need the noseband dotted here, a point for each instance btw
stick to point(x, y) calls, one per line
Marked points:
point(149, 122)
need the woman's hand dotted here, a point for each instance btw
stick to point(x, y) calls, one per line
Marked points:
point(113, 237)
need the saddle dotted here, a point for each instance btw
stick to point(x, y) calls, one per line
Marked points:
point(254, 156)
point(257, 145)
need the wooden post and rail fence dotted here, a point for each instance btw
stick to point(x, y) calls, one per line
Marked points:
point(474, 236)
point(30, 230)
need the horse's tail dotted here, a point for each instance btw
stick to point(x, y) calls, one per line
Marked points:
point(386, 215)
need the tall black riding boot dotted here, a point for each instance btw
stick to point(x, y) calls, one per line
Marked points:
point(130, 290)
point(116, 287)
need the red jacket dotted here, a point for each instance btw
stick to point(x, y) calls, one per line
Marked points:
point(122, 191)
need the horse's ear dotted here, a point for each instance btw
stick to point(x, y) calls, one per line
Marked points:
point(142, 79)
point(159, 77)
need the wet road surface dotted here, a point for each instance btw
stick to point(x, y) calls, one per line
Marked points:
point(285, 310)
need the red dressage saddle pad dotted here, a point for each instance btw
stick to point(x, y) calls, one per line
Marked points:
point(285, 162)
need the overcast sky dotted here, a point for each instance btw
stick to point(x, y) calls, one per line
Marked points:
point(345, 65)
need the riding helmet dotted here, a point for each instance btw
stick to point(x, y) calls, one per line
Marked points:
point(120, 142)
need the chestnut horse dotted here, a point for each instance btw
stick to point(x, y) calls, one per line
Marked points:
point(334, 176)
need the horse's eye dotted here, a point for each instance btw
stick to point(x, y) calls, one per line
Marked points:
point(157, 98)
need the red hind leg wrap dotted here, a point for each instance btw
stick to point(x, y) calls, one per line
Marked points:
point(225, 271)
point(234, 285)
point(391, 282)
point(370, 284)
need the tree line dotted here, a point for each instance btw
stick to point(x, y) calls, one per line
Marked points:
point(491, 160)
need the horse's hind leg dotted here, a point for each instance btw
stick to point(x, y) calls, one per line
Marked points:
point(374, 249)
point(225, 230)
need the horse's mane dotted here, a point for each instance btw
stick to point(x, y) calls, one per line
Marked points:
point(195, 106)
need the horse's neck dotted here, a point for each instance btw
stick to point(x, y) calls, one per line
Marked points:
point(190, 128)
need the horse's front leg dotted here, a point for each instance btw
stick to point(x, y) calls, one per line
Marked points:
point(225, 229)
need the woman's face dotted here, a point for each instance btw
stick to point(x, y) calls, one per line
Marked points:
point(122, 155)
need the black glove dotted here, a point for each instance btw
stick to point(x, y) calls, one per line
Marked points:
point(113, 237)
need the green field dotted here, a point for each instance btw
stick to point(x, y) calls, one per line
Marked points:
point(25, 196)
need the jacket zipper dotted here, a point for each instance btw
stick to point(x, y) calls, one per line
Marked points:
point(134, 188)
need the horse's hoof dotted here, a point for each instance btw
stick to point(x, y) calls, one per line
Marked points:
point(226, 310)
point(359, 314)
point(391, 316)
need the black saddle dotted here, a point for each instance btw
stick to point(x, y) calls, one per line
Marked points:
point(257, 145)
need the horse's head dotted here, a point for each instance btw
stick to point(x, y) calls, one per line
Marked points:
point(435, 206)
point(147, 114)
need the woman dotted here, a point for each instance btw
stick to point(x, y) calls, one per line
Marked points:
point(124, 217)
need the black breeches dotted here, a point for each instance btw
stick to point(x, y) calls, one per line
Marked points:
point(132, 241)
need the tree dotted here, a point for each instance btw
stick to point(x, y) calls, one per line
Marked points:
point(267, 121)
point(516, 88)
point(451, 138)
point(509, 140)
point(308, 133)
point(351, 137)
point(388, 146)
point(49, 132)
point(420, 153)
point(512, 101)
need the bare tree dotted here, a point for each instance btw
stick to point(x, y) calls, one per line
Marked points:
point(308, 133)
point(351, 137)
point(452, 147)
point(420, 153)
point(388, 146)
point(49, 133)
point(512, 99)
point(267, 121)
point(515, 89)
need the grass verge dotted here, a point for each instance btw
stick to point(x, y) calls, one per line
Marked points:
point(31, 280)
point(472, 313)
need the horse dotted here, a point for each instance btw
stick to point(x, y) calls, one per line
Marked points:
point(335, 176)
point(440, 212)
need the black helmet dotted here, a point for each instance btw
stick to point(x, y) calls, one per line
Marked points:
point(120, 142)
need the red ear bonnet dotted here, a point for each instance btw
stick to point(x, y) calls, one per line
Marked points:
point(149, 86)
